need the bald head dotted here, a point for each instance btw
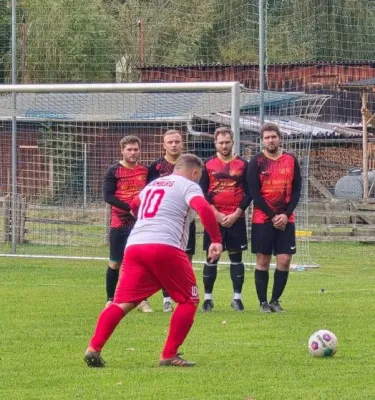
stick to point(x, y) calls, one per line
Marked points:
point(189, 166)
point(188, 161)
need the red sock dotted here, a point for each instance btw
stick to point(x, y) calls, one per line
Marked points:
point(181, 322)
point(107, 322)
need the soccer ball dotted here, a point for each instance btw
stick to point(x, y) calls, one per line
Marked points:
point(323, 343)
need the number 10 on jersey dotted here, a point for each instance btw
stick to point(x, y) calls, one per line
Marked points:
point(152, 202)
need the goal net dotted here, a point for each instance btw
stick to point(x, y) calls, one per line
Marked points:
point(67, 137)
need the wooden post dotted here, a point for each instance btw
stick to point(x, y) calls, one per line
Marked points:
point(141, 41)
point(8, 181)
point(107, 222)
point(6, 219)
point(17, 218)
point(50, 177)
point(365, 145)
point(23, 207)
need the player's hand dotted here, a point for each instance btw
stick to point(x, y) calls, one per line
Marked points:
point(230, 219)
point(280, 221)
point(220, 217)
point(214, 251)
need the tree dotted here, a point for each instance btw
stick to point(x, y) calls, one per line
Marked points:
point(69, 41)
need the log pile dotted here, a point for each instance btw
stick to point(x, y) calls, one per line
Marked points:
point(329, 164)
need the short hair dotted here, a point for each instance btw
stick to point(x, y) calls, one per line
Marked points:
point(131, 139)
point(270, 126)
point(171, 132)
point(188, 161)
point(223, 130)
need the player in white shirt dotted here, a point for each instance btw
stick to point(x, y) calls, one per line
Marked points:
point(155, 258)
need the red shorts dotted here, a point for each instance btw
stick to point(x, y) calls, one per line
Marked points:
point(147, 268)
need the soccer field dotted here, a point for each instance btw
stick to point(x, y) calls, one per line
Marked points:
point(49, 308)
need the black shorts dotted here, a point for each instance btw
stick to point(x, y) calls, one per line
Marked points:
point(190, 248)
point(117, 242)
point(268, 240)
point(234, 238)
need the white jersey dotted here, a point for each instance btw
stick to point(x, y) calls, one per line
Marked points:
point(164, 214)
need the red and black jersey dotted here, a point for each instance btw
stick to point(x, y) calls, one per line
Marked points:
point(275, 186)
point(225, 184)
point(160, 167)
point(121, 185)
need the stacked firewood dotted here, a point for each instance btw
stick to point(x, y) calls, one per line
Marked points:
point(329, 164)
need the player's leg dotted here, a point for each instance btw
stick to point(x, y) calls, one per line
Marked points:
point(117, 243)
point(144, 306)
point(190, 251)
point(236, 243)
point(190, 248)
point(209, 276)
point(107, 322)
point(285, 247)
point(167, 302)
point(179, 280)
point(262, 240)
point(136, 283)
point(237, 274)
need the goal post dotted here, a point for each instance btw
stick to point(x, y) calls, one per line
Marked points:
point(68, 135)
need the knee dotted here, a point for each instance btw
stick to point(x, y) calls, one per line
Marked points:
point(263, 262)
point(283, 262)
point(191, 304)
point(235, 258)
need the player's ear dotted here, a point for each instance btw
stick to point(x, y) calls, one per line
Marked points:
point(197, 174)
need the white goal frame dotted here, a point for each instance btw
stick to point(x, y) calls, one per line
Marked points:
point(232, 87)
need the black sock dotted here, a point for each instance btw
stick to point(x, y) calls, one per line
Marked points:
point(279, 282)
point(237, 274)
point(165, 293)
point(209, 277)
point(261, 284)
point(111, 282)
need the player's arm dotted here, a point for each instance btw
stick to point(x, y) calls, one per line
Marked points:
point(296, 189)
point(207, 216)
point(152, 172)
point(245, 202)
point(230, 219)
point(205, 184)
point(281, 220)
point(208, 219)
point(134, 206)
point(254, 185)
point(109, 189)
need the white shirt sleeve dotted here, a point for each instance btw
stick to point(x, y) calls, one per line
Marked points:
point(192, 190)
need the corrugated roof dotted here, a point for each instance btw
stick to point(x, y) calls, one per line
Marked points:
point(132, 106)
point(370, 82)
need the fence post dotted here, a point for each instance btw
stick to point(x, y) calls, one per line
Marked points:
point(6, 219)
point(19, 221)
point(22, 213)
point(107, 220)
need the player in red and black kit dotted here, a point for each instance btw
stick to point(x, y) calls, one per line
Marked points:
point(172, 144)
point(274, 179)
point(224, 183)
point(123, 181)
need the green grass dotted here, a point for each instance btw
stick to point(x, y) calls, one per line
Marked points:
point(49, 308)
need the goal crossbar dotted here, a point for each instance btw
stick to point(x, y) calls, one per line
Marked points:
point(118, 87)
